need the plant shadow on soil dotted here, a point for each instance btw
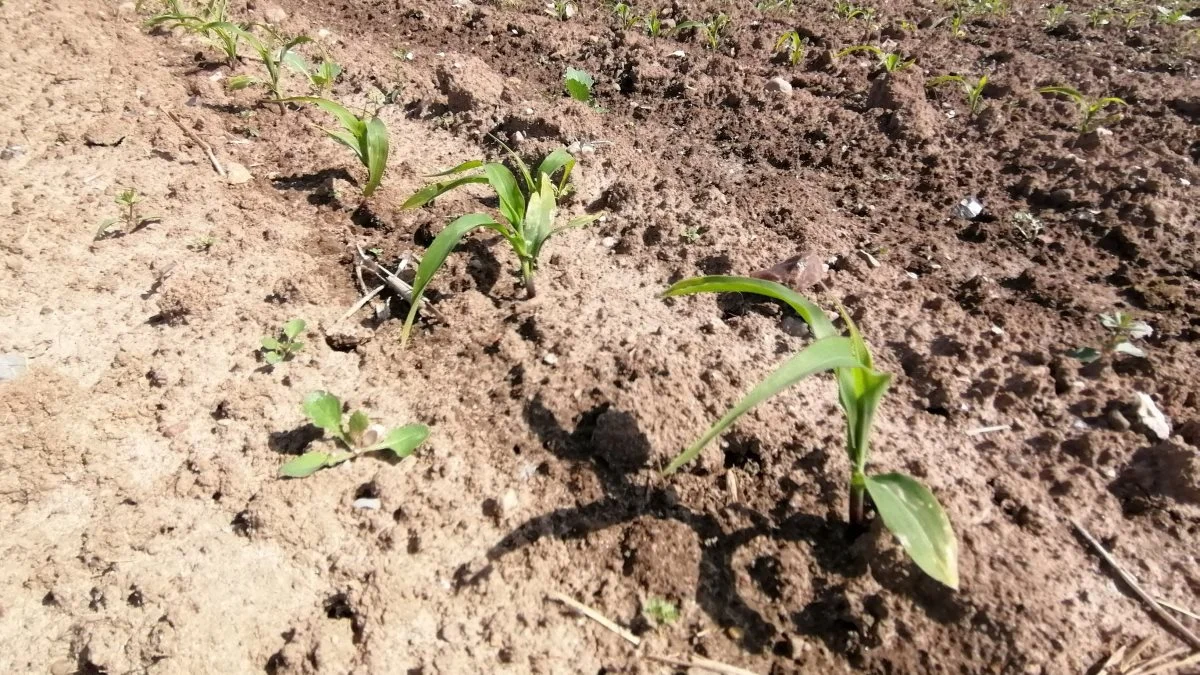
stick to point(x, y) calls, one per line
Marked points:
point(620, 449)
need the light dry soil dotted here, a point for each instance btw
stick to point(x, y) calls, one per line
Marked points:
point(142, 525)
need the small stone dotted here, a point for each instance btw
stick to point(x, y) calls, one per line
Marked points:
point(1117, 421)
point(608, 242)
point(550, 359)
point(12, 151)
point(275, 14)
point(12, 366)
point(1061, 198)
point(517, 137)
point(780, 85)
point(369, 503)
point(236, 174)
point(105, 133)
point(795, 326)
point(1151, 417)
point(509, 502)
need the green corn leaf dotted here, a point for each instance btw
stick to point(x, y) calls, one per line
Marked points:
point(913, 514)
point(1109, 100)
point(347, 139)
point(349, 121)
point(271, 344)
point(240, 82)
point(824, 354)
point(293, 328)
point(860, 391)
point(860, 48)
point(539, 217)
point(465, 166)
point(402, 440)
point(376, 154)
point(357, 425)
point(325, 411)
point(435, 255)
point(813, 315)
point(305, 465)
point(944, 79)
point(579, 84)
point(295, 62)
point(430, 192)
point(512, 202)
point(529, 184)
point(1062, 91)
point(559, 159)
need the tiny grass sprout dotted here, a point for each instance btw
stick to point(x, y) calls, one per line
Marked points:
point(277, 350)
point(272, 57)
point(660, 610)
point(1027, 225)
point(1122, 329)
point(1055, 15)
point(578, 84)
point(713, 29)
point(357, 435)
point(652, 23)
point(889, 61)
point(849, 12)
point(527, 209)
point(367, 138)
point(973, 92)
point(130, 220)
point(626, 15)
point(793, 45)
point(908, 509)
point(562, 9)
point(1091, 111)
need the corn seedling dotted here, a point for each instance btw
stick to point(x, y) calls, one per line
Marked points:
point(578, 84)
point(1029, 226)
point(1054, 16)
point(907, 507)
point(320, 76)
point(562, 9)
point(956, 26)
point(793, 45)
point(626, 15)
point(660, 610)
point(1091, 111)
point(973, 92)
point(210, 22)
point(277, 350)
point(713, 29)
point(368, 138)
point(849, 12)
point(127, 199)
point(889, 61)
point(272, 57)
point(527, 211)
point(1172, 15)
point(652, 23)
point(357, 435)
point(1122, 329)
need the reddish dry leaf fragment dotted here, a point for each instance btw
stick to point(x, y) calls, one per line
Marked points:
point(798, 272)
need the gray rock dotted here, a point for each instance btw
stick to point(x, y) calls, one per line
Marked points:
point(780, 85)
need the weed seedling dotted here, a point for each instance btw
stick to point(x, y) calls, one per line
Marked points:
point(626, 15)
point(320, 76)
point(277, 350)
point(1091, 111)
point(1173, 15)
point(891, 62)
point(202, 244)
point(562, 9)
point(1029, 226)
point(713, 29)
point(956, 26)
point(578, 84)
point(368, 138)
point(652, 23)
point(793, 45)
point(1099, 17)
point(127, 199)
point(906, 507)
point(527, 209)
point(357, 435)
point(973, 92)
point(272, 58)
point(660, 610)
point(849, 12)
point(691, 235)
point(1122, 329)
point(1054, 16)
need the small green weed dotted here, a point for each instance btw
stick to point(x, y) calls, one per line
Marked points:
point(973, 92)
point(578, 84)
point(626, 15)
point(1091, 111)
point(849, 12)
point(907, 507)
point(320, 76)
point(652, 23)
point(660, 610)
point(691, 235)
point(562, 9)
point(793, 45)
point(273, 52)
point(128, 199)
point(276, 350)
point(1027, 225)
point(1055, 14)
point(357, 435)
point(368, 138)
point(889, 61)
point(1122, 329)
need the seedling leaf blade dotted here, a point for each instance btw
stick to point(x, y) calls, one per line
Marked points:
point(913, 514)
point(402, 440)
point(240, 82)
point(465, 166)
point(559, 159)
point(512, 202)
point(325, 411)
point(292, 328)
point(1084, 354)
point(824, 354)
point(347, 119)
point(1127, 348)
point(430, 192)
point(579, 84)
point(813, 315)
point(357, 425)
point(539, 216)
point(1062, 91)
point(436, 254)
point(273, 358)
point(271, 343)
point(305, 465)
point(376, 150)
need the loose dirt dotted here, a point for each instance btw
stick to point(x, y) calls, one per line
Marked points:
point(142, 525)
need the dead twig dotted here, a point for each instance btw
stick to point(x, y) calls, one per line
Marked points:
point(394, 282)
point(1182, 610)
point(595, 616)
point(701, 663)
point(199, 141)
point(1154, 607)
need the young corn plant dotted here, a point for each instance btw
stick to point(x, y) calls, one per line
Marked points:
point(956, 26)
point(792, 44)
point(626, 15)
point(210, 21)
point(1122, 329)
point(652, 23)
point(1092, 112)
point(973, 91)
point(713, 29)
point(354, 437)
point(891, 62)
point(908, 509)
point(527, 215)
point(849, 12)
point(277, 350)
point(272, 57)
point(368, 138)
point(130, 220)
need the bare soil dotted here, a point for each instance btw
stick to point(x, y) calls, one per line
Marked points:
point(142, 525)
